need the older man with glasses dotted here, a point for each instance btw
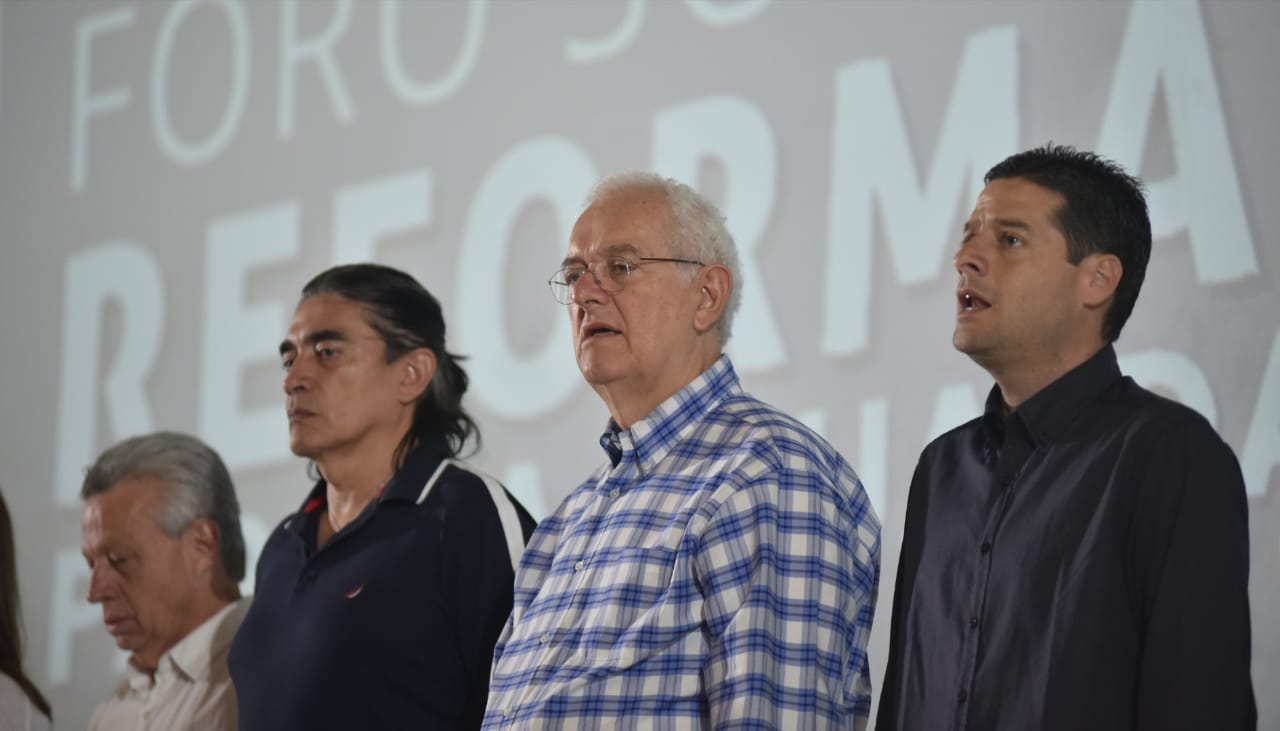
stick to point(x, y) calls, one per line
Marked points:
point(720, 568)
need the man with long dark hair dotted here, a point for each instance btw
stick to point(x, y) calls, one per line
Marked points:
point(378, 603)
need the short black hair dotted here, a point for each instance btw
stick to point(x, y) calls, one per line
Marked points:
point(1104, 210)
point(407, 317)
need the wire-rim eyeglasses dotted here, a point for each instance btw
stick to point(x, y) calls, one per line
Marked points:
point(616, 271)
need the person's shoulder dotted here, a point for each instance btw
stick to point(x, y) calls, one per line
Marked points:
point(280, 532)
point(9, 688)
point(1145, 412)
point(762, 422)
point(16, 709)
point(457, 481)
point(112, 707)
point(959, 437)
point(462, 488)
point(464, 493)
point(787, 445)
point(959, 433)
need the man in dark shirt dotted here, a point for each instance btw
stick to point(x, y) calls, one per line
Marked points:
point(1076, 557)
point(378, 603)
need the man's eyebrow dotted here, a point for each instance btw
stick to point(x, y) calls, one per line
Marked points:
point(613, 250)
point(1002, 223)
point(622, 249)
point(1013, 223)
point(315, 337)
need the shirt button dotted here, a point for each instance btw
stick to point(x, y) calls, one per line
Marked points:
point(985, 547)
point(614, 492)
point(506, 713)
point(579, 565)
point(973, 621)
point(546, 637)
point(963, 696)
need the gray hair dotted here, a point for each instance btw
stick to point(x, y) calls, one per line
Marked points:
point(697, 229)
point(197, 481)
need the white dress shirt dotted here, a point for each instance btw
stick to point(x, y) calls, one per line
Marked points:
point(16, 711)
point(191, 688)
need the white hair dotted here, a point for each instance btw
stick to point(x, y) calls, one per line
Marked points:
point(195, 478)
point(697, 229)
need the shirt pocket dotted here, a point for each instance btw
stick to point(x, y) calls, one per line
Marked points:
point(644, 602)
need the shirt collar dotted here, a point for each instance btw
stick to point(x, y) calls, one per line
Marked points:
point(407, 482)
point(193, 654)
point(651, 438)
point(1048, 413)
point(405, 485)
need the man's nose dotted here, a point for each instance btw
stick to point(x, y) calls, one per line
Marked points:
point(98, 586)
point(295, 379)
point(971, 258)
point(594, 289)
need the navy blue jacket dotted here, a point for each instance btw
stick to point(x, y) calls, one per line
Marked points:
point(391, 623)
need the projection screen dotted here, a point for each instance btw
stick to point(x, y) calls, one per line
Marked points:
point(174, 172)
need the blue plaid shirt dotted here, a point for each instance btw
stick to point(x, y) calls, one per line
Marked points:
point(719, 571)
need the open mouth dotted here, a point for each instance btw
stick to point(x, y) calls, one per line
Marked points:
point(114, 624)
point(970, 302)
point(595, 330)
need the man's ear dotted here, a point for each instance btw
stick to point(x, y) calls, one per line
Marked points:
point(1099, 277)
point(417, 368)
point(715, 283)
point(202, 545)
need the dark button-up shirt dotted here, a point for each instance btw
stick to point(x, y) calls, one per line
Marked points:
point(391, 623)
point(1079, 563)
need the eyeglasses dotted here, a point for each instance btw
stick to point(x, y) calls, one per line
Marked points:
point(610, 274)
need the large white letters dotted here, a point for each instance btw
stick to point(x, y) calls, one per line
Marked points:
point(84, 104)
point(410, 90)
point(125, 275)
point(365, 211)
point(872, 160)
point(1165, 44)
point(69, 612)
point(1262, 443)
point(553, 169)
point(179, 150)
point(737, 135)
point(721, 14)
point(236, 335)
point(585, 51)
point(319, 49)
